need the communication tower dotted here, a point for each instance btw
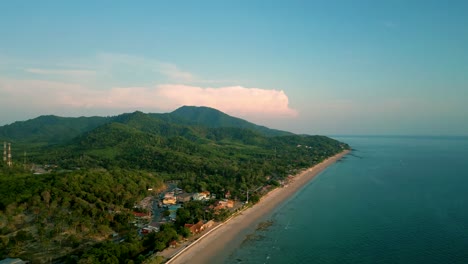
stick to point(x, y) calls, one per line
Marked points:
point(9, 163)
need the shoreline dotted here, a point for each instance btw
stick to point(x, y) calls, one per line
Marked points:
point(207, 248)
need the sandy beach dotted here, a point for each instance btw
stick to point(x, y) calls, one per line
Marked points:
point(205, 249)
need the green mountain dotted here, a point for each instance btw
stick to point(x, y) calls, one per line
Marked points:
point(184, 140)
point(210, 117)
point(50, 129)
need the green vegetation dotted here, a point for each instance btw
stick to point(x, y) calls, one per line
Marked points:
point(99, 168)
point(210, 117)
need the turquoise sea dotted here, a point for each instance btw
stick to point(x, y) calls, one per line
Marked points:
point(392, 200)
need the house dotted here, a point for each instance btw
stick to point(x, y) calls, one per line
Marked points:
point(169, 195)
point(201, 196)
point(154, 226)
point(169, 200)
point(183, 198)
point(224, 204)
point(141, 215)
point(195, 228)
point(146, 230)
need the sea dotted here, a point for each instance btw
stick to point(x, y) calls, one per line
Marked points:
point(391, 200)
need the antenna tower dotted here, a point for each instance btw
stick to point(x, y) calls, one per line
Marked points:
point(9, 155)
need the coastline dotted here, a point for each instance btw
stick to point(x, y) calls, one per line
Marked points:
point(206, 248)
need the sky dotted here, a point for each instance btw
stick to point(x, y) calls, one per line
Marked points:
point(316, 67)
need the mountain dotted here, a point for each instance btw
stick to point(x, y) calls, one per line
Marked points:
point(50, 129)
point(211, 117)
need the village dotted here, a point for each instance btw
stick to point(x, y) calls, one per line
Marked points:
point(154, 211)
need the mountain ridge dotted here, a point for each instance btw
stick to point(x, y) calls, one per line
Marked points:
point(52, 129)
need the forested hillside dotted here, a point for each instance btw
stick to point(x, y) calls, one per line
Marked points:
point(93, 171)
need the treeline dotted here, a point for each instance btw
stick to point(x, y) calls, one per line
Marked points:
point(215, 166)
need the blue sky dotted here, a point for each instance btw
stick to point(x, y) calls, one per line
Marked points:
point(318, 67)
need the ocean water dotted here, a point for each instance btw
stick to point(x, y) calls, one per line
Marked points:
point(392, 200)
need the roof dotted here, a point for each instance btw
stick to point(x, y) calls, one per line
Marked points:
point(184, 195)
point(137, 214)
point(195, 228)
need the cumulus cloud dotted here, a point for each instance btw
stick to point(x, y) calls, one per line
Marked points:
point(116, 83)
point(236, 100)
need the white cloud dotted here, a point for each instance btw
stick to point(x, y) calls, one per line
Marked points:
point(116, 83)
point(235, 100)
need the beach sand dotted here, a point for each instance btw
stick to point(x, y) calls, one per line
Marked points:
point(207, 248)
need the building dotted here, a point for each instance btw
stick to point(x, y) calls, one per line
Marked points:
point(196, 228)
point(141, 215)
point(224, 204)
point(169, 195)
point(145, 230)
point(201, 196)
point(183, 198)
point(155, 226)
point(169, 201)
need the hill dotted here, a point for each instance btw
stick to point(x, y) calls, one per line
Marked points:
point(51, 129)
point(211, 117)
